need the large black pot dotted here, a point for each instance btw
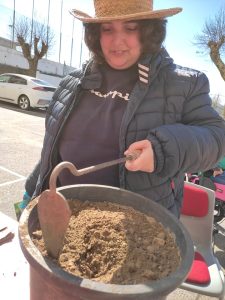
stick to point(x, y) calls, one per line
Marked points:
point(48, 281)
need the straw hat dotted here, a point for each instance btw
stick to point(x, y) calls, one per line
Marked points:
point(111, 10)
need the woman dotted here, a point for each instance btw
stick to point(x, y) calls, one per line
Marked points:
point(131, 96)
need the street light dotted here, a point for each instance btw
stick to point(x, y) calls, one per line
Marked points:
point(11, 38)
point(48, 26)
point(60, 38)
point(13, 25)
point(32, 24)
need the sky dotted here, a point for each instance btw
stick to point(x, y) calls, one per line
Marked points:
point(181, 30)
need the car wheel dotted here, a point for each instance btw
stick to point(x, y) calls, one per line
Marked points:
point(24, 102)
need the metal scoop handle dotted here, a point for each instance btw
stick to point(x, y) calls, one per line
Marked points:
point(74, 171)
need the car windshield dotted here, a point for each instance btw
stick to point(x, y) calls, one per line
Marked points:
point(42, 82)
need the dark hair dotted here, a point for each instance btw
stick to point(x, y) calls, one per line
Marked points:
point(152, 35)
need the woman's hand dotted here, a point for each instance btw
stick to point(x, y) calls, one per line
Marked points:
point(145, 160)
point(217, 172)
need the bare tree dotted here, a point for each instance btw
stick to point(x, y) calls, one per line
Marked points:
point(212, 40)
point(35, 39)
point(216, 104)
point(215, 101)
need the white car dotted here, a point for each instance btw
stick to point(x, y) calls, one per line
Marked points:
point(25, 91)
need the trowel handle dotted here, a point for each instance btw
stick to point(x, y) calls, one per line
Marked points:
point(65, 164)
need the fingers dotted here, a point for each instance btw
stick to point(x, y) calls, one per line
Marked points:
point(144, 161)
point(133, 165)
point(140, 145)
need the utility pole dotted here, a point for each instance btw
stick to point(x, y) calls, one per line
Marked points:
point(60, 39)
point(71, 53)
point(48, 24)
point(13, 25)
point(81, 45)
point(32, 24)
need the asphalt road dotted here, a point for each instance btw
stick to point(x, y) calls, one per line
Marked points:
point(21, 136)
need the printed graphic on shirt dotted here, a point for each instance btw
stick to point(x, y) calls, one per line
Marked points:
point(111, 94)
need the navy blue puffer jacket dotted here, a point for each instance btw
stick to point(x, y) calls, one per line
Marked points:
point(173, 110)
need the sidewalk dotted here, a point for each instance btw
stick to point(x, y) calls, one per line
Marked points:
point(179, 294)
point(219, 249)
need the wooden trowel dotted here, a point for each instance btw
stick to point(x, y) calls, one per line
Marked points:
point(53, 209)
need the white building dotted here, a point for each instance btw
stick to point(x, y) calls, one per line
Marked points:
point(12, 60)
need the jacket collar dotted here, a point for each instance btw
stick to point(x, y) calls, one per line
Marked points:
point(148, 67)
point(92, 78)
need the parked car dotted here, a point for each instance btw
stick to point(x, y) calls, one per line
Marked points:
point(25, 91)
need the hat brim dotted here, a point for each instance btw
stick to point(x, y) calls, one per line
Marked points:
point(156, 14)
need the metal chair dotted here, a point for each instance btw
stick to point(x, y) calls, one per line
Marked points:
point(206, 276)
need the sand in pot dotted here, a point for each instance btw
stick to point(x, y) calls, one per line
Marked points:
point(116, 244)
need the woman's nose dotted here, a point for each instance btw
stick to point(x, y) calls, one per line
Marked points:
point(118, 38)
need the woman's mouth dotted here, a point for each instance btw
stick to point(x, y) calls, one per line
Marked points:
point(118, 52)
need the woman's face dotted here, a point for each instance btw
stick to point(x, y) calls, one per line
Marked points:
point(120, 43)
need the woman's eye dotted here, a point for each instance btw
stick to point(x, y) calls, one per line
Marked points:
point(133, 28)
point(106, 29)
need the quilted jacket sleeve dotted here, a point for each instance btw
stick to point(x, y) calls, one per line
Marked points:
point(197, 142)
point(32, 180)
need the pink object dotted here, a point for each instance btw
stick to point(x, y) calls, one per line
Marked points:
point(220, 191)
